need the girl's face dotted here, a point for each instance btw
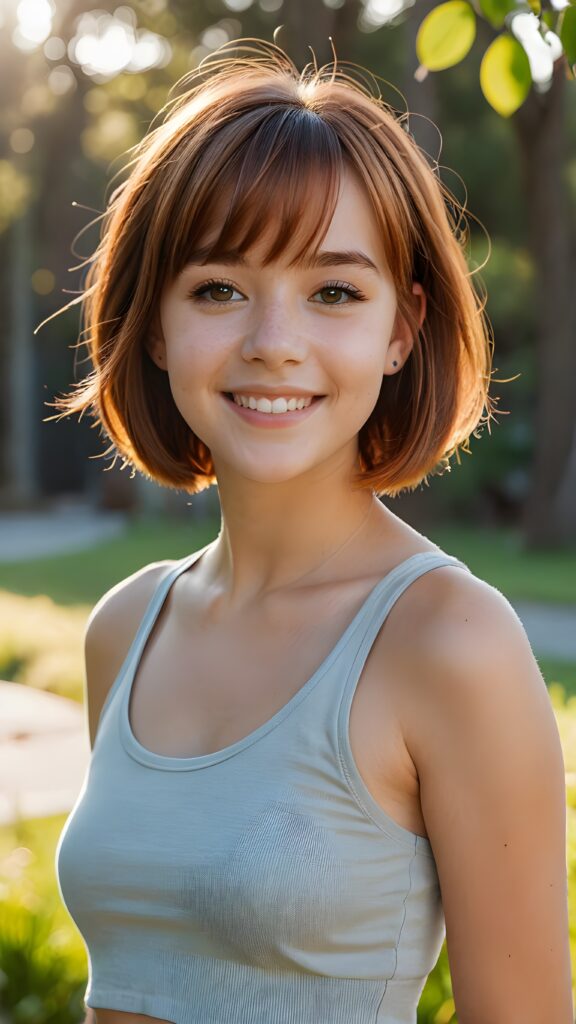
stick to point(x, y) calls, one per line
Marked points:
point(326, 333)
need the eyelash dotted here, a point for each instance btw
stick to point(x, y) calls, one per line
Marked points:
point(198, 293)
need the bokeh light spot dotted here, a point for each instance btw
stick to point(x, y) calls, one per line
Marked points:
point(54, 48)
point(21, 140)
point(156, 98)
point(106, 44)
point(43, 281)
point(132, 87)
point(96, 101)
point(38, 100)
point(15, 191)
point(110, 136)
point(214, 37)
point(61, 80)
point(34, 22)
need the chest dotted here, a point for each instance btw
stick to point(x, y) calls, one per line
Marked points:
point(203, 686)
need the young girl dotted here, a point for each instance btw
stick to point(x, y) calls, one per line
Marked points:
point(320, 743)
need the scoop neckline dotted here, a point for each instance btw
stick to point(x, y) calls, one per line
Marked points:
point(166, 762)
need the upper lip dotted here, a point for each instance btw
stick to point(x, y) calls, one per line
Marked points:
point(281, 391)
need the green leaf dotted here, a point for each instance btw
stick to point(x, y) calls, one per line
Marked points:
point(446, 35)
point(568, 34)
point(535, 6)
point(495, 11)
point(505, 77)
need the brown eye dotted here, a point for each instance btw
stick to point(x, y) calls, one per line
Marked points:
point(333, 291)
point(332, 294)
point(219, 292)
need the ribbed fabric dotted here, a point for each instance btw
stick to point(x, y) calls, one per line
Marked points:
point(261, 883)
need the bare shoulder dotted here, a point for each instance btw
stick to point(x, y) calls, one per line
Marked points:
point(110, 630)
point(481, 730)
point(469, 654)
point(462, 626)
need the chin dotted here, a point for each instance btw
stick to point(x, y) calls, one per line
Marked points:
point(277, 472)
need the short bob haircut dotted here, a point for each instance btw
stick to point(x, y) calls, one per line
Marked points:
point(253, 144)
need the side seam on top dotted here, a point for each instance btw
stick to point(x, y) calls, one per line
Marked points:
point(381, 1004)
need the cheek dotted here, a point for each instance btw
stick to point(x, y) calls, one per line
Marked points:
point(360, 366)
point(192, 344)
point(194, 360)
point(360, 380)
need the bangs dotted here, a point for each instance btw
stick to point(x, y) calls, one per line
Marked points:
point(272, 173)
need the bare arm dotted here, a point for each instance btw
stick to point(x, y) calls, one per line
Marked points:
point(487, 749)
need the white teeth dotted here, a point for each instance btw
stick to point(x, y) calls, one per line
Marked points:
point(275, 405)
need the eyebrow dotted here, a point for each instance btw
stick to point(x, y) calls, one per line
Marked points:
point(346, 257)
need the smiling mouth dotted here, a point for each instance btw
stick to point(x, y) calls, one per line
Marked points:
point(273, 407)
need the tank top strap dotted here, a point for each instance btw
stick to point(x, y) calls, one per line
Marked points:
point(380, 602)
point(147, 623)
point(157, 600)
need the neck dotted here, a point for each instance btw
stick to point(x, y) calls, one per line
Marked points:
point(271, 536)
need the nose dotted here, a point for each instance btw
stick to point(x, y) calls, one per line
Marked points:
point(275, 338)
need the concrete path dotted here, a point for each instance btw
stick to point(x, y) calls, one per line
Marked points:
point(70, 526)
point(551, 629)
point(44, 752)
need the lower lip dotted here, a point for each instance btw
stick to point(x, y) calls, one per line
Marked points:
point(272, 420)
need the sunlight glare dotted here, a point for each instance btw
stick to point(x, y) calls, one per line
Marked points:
point(34, 23)
point(541, 52)
point(379, 12)
point(106, 44)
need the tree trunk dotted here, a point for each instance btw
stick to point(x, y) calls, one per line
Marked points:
point(311, 24)
point(421, 97)
point(550, 513)
point(22, 434)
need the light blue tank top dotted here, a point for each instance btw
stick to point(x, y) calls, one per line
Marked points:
point(261, 883)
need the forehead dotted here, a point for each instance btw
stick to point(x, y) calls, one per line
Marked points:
point(349, 237)
point(353, 223)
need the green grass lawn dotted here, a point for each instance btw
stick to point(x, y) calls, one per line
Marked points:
point(82, 577)
point(498, 557)
point(494, 555)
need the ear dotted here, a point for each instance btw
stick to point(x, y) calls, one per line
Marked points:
point(402, 337)
point(156, 346)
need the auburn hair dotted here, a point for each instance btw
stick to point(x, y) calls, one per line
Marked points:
point(271, 144)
